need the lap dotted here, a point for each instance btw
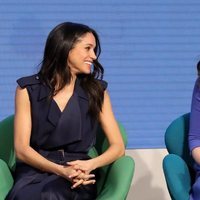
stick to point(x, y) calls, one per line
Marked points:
point(55, 188)
point(195, 192)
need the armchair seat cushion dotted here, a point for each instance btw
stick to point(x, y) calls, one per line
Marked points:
point(177, 176)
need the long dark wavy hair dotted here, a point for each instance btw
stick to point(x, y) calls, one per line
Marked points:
point(56, 73)
point(198, 68)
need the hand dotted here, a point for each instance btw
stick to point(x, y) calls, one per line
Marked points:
point(77, 177)
point(84, 165)
point(83, 179)
point(69, 172)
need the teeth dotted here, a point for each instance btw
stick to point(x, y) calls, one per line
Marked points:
point(89, 63)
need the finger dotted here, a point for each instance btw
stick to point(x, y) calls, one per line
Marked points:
point(80, 167)
point(75, 166)
point(76, 174)
point(90, 175)
point(87, 176)
point(77, 184)
point(72, 162)
point(81, 175)
point(75, 180)
point(88, 182)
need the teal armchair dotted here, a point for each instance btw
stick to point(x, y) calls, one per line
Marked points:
point(113, 182)
point(177, 165)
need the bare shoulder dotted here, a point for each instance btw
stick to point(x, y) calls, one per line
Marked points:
point(106, 98)
point(107, 113)
point(106, 93)
point(21, 95)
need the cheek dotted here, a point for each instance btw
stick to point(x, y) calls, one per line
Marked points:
point(71, 58)
point(76, 57)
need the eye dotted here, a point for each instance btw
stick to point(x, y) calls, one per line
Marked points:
point(87, 48)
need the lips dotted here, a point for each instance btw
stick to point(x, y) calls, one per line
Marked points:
point(88, 62)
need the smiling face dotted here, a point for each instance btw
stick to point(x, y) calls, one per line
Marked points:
point(82, 55)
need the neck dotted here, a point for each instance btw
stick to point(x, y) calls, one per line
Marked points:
point(73, 77)
point(72, 81)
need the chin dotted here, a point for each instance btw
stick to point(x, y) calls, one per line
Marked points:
point(85, 72)
point(88, 72)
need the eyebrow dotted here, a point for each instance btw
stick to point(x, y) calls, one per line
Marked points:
point(90, 44)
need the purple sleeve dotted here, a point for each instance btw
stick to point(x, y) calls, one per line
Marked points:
point(194, 131)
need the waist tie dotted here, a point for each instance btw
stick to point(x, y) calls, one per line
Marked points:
point(61, 156)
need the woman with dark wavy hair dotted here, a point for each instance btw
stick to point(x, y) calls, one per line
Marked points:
point(56, 116)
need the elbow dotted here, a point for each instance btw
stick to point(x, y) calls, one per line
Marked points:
point(20, 152)
point(121, 150)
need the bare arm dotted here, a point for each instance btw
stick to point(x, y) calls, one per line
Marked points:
point(112, 132)
point(111, 129)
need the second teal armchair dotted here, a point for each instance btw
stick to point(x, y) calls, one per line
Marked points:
point(177, 165)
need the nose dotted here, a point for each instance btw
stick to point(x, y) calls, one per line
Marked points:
point(93, 55)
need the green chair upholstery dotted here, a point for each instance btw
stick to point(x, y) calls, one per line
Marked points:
point(7, 156)
point(177, 165)
point(113, 181)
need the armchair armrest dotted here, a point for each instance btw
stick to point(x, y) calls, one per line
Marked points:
point(6, 180)
point(177, 177)
point(118, 180)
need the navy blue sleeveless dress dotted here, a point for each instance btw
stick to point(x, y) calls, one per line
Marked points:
point(59, 137)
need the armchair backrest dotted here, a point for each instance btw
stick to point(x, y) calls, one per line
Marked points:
point(102, 142)
point(100, 146)
point(6, 142)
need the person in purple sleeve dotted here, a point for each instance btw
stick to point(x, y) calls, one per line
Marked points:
point(194, 136)
point(57, 112)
